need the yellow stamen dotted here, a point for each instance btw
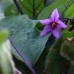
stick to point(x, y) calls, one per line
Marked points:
point(53, 25)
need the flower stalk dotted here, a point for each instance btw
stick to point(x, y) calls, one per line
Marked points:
point(18, 7)
point(71, 22)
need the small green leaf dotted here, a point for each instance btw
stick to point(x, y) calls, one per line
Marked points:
point(3, 35)
point(11, 10)
point(68, 34)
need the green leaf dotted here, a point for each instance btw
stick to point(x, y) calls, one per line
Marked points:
point(48, 2)
point(67, 50)
point(1, 12)
point(70, 11)
point(40, 65)
point(5, 3)
point(6, 59)
point(3, 35)
point(25, 37)
point(11, 10)
point(67, 33)
point(55, 64)
point(62, 6)
point(31, 7)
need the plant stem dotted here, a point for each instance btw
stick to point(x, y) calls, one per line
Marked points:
point(71, 21)
point(24, 59)
point(67, 18)
point(45, 1)
point(18, 7)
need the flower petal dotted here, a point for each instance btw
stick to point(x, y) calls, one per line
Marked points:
point(57, 26)
point(45, 30)
point(55, 15)
point(55, 33)
point(17, 71)
point(45, 21)
point(61, 24)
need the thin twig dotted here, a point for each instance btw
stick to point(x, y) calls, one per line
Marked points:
point(45, 2)
point(67, 18)
point(18, 7)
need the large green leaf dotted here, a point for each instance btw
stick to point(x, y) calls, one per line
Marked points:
point(31, 7)
point(61, 5)
point(25, 37)
point(40, 65)
point(70, 11)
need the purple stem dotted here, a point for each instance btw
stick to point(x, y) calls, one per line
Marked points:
point(24, 59)
point(45, 1)
point(67, 18)
point(71, 21)
point(18, 7)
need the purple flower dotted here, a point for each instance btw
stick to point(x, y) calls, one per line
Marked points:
point(52, 24)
